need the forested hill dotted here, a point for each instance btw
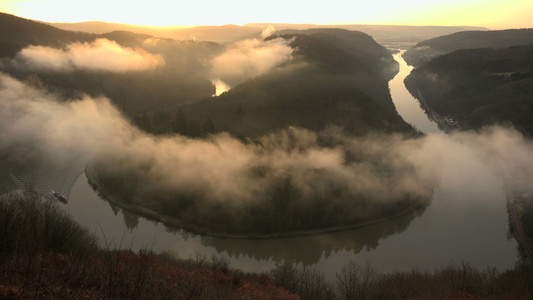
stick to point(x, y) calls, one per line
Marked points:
point(181, 76)
point(336, 77)
point(17, 33)
point(350, 50)
point(479, 86)
point(426, 50)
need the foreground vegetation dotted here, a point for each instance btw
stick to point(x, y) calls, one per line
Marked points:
point(45, 255)
point(456, 281)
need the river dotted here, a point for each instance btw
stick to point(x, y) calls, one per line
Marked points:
point(469, 224)
point(407, 106)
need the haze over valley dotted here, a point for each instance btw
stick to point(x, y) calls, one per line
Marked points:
point(277, 148)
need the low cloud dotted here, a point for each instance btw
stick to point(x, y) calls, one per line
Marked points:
point(223, 169)
point(319, 168)
point(249, 58)
point(100, 55)
point(37, 125)
point(270, 30)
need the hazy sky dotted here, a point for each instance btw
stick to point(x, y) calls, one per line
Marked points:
point(494, 14)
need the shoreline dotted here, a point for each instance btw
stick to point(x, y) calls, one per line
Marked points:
point(155, 216)
point(514, 219)
point(433, 115)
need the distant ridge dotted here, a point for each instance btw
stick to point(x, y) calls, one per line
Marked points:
point(231, 33)
point(218, 34)
point(426, 50)
point(383, 32)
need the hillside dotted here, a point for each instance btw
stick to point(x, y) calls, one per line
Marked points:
point(180, 73)
point(479, 87)
point(333, 89)
point(337, 77)
point(314, 88)
point(426, 50)
point(17, 33)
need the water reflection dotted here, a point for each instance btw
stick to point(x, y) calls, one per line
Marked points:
point(452, 228)
point(306, 250)
point(117, 227)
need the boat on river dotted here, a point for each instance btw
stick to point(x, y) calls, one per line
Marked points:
point(60, 197)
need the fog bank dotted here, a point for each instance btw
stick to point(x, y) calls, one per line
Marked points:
point(310, 168)
point(249, 58)
point(99, 55)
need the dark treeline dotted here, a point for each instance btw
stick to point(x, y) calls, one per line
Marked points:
point(267, 198)
point(456, 281)
point(280, 210)
point(167, 122)
point(278, 250)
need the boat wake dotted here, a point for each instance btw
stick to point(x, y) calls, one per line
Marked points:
point(48, 181)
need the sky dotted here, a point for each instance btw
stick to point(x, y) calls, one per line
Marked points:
point(493, 14)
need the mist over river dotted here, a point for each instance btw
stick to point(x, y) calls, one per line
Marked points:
point(465, 222)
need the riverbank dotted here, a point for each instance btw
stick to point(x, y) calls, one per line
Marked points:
point(518, 196)
point(440, 120)
point(153, 215)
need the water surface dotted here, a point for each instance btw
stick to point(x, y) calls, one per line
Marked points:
point(407, 106)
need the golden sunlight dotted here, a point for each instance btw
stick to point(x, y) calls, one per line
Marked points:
point(494, 14)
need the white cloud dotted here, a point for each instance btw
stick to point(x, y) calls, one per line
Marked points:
point(249, 58)
point(100, 55)
point(35, 125)
point(270, 30)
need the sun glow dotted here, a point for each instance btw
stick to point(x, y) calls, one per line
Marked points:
point(494, 14)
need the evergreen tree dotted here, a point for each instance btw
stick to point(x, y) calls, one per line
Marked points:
point(180, 123)
point(240, 111)
point(208, 127)
point(194, 129)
